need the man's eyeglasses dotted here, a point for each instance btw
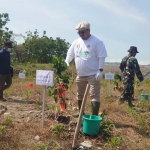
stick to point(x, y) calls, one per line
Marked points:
point(81, 32)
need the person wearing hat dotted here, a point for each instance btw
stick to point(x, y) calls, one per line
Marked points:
point(5, 70)
point(89, 53)
point(129, 67)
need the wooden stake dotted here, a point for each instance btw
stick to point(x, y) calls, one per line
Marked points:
point(74, 144)
point(44, 95)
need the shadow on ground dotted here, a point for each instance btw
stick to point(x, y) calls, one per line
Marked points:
point(22, 101)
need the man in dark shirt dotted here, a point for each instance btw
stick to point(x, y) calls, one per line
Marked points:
point(5, 72)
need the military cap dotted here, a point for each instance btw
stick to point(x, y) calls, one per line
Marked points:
point(133, 49)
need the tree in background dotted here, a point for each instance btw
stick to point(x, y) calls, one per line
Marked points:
point(35, 48)
point(43, 49)
point(19, 53)
point(5, 33)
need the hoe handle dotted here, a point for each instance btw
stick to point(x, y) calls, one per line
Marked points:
point(74, 144)
point(146, 74)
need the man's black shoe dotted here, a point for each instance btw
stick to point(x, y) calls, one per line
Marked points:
point(3, 99)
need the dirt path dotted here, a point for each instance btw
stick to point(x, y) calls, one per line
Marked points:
point(19, 109)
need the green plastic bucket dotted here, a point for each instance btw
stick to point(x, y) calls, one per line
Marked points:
point(91, 124)
point(145, 96)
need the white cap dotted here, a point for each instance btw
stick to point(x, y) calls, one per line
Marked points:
point(83, 26)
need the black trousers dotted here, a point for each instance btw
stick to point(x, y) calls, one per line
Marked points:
point(5, 82)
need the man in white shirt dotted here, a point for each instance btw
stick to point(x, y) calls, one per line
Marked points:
point(89, 53)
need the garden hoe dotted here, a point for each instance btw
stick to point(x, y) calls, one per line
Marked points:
point(74, 144)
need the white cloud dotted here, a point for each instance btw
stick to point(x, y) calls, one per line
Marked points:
point(120, 10)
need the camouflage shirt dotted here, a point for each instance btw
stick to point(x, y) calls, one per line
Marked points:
point(132, 68)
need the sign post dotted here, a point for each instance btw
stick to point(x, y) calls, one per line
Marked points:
point(45, 78)
point(109, 76)
point(22, 76)
point(44, 95)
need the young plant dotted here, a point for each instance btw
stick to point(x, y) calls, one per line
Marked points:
point(57, 129)
point(131, 111)
point(28, 91)
point(106, 127)
point(118, 87)
point(27, 94)
point(8, 121)
point(54, 144)
point(114, 141)
point(141, 105)
point(41, 147)
point(58, 91)
point(142, 121)
point(2, 130)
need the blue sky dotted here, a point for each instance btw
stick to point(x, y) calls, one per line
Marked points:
point(118, 23)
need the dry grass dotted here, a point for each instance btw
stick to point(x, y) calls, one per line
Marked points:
point(22, 123)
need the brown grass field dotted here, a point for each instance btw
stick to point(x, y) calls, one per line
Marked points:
point(122, 128)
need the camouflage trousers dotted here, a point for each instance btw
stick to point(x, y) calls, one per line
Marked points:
point(128, 91)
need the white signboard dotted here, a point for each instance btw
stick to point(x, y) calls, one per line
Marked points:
point(44, 77)
point(109, 76)
point(22, 75)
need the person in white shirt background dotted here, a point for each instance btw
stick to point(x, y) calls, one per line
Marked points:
point(89, 53)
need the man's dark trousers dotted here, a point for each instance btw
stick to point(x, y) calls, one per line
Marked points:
point(5, 82)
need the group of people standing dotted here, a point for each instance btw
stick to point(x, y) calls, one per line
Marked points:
point(89, 54)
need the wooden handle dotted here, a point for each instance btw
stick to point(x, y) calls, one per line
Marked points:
point(74, 144)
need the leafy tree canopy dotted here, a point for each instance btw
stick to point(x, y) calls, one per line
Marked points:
point(5, 33)
point(35, 48)
point(43, 49)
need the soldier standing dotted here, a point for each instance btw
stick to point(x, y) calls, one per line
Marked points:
point(129, 66)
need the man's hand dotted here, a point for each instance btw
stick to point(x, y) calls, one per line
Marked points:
point(99, 75)
point(67, 63)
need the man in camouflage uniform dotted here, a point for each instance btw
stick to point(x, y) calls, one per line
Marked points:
point(128, 74)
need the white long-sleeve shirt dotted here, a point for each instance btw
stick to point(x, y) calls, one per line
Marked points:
point(89, 55)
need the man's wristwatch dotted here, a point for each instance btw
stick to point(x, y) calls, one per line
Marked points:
point(101, 69)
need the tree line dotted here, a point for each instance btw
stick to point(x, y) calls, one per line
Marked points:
point(35, 48)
